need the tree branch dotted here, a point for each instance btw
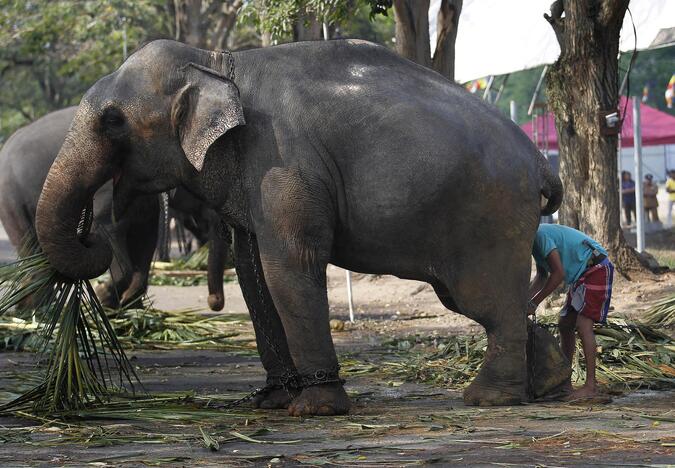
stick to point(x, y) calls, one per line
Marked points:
point(612, 12)
point(557, 21)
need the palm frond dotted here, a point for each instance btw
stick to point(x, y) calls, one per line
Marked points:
point(85, 361)
point(662, 314)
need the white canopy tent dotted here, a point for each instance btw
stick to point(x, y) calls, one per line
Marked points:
point(499, 36)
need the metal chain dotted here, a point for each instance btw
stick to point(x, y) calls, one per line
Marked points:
point(230, 64)
point(166, 238)
point(532, 367)
point(290, 378)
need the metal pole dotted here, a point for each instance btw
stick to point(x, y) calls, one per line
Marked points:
point(486, 93)
point(124, 39)
point(536, 90)
point(501, 89)
point(620, 166)
point(325, 32)
point(513, 110)
point(639, 200)
point(350, 298)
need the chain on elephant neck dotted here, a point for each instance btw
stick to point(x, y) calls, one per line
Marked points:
point(227, 64)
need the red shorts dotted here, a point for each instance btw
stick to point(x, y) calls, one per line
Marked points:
point(590, 295)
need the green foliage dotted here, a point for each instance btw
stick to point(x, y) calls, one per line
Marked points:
point(652, 68)
point(51, 51)
point(365, 19)
point(81, 346)
point(362, 25)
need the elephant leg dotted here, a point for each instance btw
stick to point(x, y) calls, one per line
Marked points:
point(295, 241)
point(300, 296)
point(269, 332)
point(141, 240)
point(491, 288)
point(134, 239)
point(219, 244)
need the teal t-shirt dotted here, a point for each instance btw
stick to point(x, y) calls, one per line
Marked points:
point(574, 254)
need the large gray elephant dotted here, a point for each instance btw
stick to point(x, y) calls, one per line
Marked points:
point(24, 163)
point(318, 152)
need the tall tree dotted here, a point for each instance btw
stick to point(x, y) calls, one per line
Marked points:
point(582, 87)
point(206, 24)
point(412, 33)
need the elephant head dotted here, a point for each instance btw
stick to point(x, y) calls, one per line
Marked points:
point(146, 126)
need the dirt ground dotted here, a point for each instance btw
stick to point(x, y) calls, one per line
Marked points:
point(392, 423)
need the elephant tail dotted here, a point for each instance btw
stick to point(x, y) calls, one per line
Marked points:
point(551, 187)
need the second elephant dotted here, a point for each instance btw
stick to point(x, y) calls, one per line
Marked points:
point(25, 160)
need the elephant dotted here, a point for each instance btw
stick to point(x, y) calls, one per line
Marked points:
point(337, 152)
point(24, 163)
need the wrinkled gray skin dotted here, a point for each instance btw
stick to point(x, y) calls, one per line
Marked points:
point(318, 152)
point(24, 163)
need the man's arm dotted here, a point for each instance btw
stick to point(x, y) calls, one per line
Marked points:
point(538, 282)
point(553, 281)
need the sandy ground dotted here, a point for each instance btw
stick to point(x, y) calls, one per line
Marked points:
point(391, 424)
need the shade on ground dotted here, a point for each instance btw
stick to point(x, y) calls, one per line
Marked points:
point(658, 128)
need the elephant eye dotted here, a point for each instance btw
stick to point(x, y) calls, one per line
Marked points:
point(112, 118)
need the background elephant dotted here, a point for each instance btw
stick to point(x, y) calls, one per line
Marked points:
point(24, 163)
point(317, 152)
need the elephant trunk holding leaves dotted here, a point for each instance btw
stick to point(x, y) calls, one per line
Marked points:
point(24, 163)
point(318, 152)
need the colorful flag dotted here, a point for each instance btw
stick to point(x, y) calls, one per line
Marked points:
point(476, 85)
point(670, 92)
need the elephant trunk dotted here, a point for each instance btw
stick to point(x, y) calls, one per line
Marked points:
point(81, 167)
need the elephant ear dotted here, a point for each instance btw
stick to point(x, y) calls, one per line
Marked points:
point(203, 110)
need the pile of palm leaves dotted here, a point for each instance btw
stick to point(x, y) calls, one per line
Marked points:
point(182, 329)
point(662, 314)
point(146, 328)
point(84, 359)
point(630, 356)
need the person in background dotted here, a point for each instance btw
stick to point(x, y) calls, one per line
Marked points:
point(628, 194)
point(651, 202)
point(670, 188)
point(565, 254)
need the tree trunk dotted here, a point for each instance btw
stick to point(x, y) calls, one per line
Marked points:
point(412, 34)
point(446, 35)
point(412, 30)
point(581, 84)
point(205, 23)
point(307, 27)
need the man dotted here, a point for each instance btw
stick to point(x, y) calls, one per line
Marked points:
point(565, 254)
point(628, 193)
point(650, 192)
point(670, 188)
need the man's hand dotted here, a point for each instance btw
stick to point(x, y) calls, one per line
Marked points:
point(531, 307)
point(554, 279)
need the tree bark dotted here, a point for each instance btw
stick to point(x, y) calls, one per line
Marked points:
point(412, 30)
point(307, 27)
point(412, 34)
point(446, 35)
point(206, 24)
point(581, 84)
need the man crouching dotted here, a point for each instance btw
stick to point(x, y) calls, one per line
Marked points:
point(565, 254)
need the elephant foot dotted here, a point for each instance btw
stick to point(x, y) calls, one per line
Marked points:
point(216, 302)
point(481, 394)
point(275, 398)
point(320, 400)
point(106, 295)
point(502, 378)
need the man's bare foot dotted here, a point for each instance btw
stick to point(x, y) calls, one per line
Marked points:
point(583, 392)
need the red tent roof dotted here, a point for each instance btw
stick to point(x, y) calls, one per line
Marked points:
point(658, 128)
